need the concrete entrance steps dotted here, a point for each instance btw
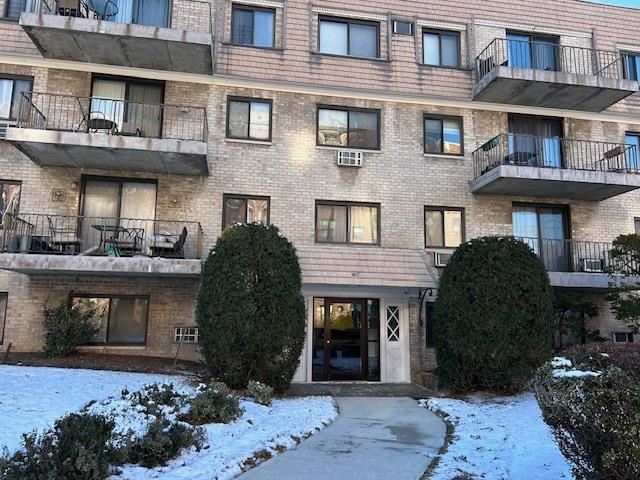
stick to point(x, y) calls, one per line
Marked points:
point(360, 389)
point(372, 439)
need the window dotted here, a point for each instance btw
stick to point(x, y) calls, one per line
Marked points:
point(4, 297)
point(253, 26)
point(443, 135)
point(535, 141)
point(633, 160)
point(10, 89)
point(443, 226)
point(344, 127)
point(349, 37)
point(636, 225)
point(243, 209)
point(186, 335)
point(441, 48)
point(249, 119)
point(532, 51)
point(9, 199)
point(120, 320)
point(13, 8)
point(622, 337)
point(338, 222)
point(631, 66)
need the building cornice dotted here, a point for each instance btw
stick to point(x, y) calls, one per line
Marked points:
point(338, 12)
point(460, 27)
point(531, 28)
point(310, 89)
point(263, 3)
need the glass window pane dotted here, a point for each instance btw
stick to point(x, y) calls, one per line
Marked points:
point(263, 28)
point(332, 127)
point(242, 27)
point(9, 200)
point(259, 128)
point(433, 228)
point(100, 309)
point(258, 211)
point(331, 223)
point(238, 120)
point(6, 90)
point(633, 162)
point(333, 37)
point(363, 130)
point(128, 320)
point(363, 223)
point(452, 142)
point(431, 46)
point(363, 40)
point(235, 211)
point(18, 87)
point(450, 50)
point(432, 135)
point(452, 228)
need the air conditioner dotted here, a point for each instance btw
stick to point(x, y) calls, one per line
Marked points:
point(402, 27)
point(349, 158)
point(442, 258)
point(591, 265)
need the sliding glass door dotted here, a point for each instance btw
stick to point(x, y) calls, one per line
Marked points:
point(153, 13)
point(532, 51)
point(544, 228)
point(535, 141)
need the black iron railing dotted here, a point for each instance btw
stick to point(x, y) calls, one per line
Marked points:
point(549, 56)
point(187, 15)
point(100, 236)
point(48, 111)
point(555, 152)
point(567, 255)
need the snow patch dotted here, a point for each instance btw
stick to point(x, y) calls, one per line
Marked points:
point(574, 373)
point(560, 362)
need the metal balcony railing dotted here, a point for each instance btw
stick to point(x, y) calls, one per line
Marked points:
point(47, 111)
point(567, 255)
point(548, 56)
point(100, 236)
point(187, 15)
point(555, 152)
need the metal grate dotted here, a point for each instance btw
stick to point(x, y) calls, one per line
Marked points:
point(186, 334)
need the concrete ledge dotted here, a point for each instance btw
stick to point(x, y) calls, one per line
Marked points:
point(586, 281)
point(554, 182)
point(112, 43)
point(111, 152)
point(32, 264)
point(542, 88)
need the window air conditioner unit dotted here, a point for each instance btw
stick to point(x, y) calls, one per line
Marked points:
point(402, 27)
point(442, 258)
point(592, 265)
point(349, 158)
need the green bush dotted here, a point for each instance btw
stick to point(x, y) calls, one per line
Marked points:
point(602, 355)
point(78, 447)
point(65, 328)
point(260, 393)
point(494, 316)
point(154, 398)
point(595, 421)
point(214, 403)
point(163, 441)
point(250, 310)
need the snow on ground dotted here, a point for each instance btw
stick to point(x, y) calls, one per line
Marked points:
point(498, 438)
point(34, 397)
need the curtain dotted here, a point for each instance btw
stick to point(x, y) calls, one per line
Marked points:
point(6, 90)
point(331, 223)
point(525, 226)
point(234, 211)
point(106, 100)
point(100, 202)
point(18, 87)
point(518, 51)
point(145, 112)
point(257, 211)
point(154, 13)
point(535, 141)
point(364, 224)
point(128, 320)
point(138, 211)
point(363, 40)
point(242, 27)
point(125, 11)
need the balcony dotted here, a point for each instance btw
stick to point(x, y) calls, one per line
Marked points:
point(100, 133)
point(76, 245)
point(175, 36)
point(539, 74)
point(577, 264)
point(524, 165)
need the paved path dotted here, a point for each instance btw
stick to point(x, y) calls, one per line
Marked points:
point(372, 439)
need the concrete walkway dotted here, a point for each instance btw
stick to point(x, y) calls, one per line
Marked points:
point(373, 438)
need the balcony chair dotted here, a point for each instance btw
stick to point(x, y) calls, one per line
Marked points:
point(94, 121)
point(63, 238)
point(168, 249)
point(127, 241)
point(99, 9)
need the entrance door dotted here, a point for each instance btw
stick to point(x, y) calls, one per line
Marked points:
point(346, 339)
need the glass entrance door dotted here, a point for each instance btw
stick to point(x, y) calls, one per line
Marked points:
point(346, 337)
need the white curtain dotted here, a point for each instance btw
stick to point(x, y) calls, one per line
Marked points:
point(105, 100)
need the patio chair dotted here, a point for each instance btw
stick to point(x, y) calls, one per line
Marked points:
point(169, 249)
point(63, 237)
point(94, 121)
point(129, 241)
point(100, 9)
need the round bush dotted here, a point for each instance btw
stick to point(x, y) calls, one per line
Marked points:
point(250, 310)
point(494, 315)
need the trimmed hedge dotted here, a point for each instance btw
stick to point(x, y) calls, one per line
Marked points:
point(494, 316)
point(250, 310)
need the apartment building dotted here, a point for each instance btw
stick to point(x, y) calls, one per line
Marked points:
point(376, 135)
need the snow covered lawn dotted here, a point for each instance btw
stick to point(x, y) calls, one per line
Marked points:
point(34, 397)
point(498, 438)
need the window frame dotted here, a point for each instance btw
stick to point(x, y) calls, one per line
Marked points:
point(348, 21)
point(179, 331)
point(628, 335)
point(442, 118)
point(377, 111)
point(111, 296)
point(442, 209)
point(246, 198)
point(439, 33)
point(5, 296)
point(249, 100)
point(252, 9)
point(13, 116)
point(625, 65)
point(348, 205)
